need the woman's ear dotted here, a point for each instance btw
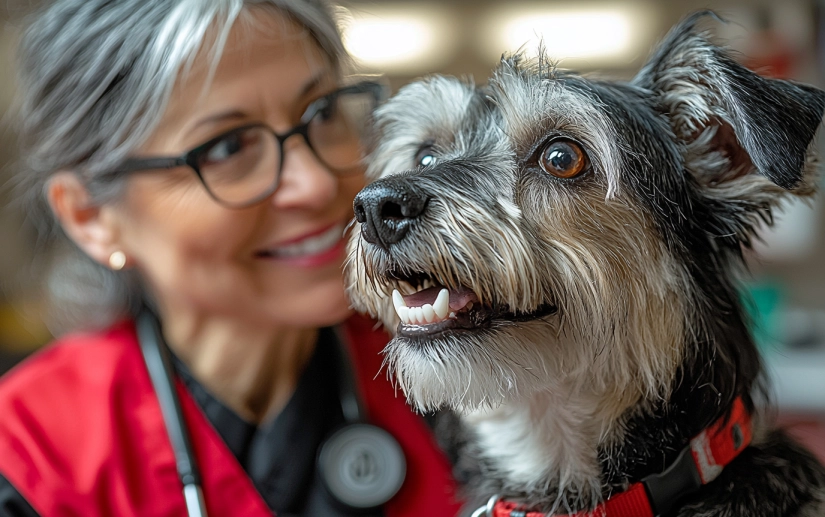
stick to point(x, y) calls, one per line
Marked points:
point(92, 227)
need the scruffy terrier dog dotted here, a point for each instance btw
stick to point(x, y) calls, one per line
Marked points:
point(556, 256)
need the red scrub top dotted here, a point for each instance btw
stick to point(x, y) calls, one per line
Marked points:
point(81, 433)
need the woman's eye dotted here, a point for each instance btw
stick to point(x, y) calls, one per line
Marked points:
point(425, 156)
point(224, 149)
point(324, 110)
point(563, 158)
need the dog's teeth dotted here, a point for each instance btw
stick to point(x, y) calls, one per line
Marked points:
point(427, 284)
point(441, 305)
point(429, 313)
point(397, 299)
point(400, 306)
point(426, 314)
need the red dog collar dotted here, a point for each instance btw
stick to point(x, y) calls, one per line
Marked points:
point(698, 464)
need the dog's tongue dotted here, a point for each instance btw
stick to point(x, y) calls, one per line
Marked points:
point(458, 299)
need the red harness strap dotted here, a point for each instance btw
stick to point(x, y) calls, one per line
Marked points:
point(698, 464)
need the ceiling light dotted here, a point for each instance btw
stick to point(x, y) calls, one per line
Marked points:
point(582, 37)
point(398, 40)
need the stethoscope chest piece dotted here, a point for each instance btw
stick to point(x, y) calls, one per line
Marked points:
point(362, 466)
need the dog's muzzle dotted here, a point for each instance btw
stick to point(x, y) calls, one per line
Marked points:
point(387, 209)
point(427, 301)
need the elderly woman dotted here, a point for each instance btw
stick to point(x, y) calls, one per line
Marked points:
point(202, 157)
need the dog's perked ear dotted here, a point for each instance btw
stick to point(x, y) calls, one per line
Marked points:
point(733, 122)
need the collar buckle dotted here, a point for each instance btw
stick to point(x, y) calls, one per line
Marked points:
point(487, 509)
point(680, 479)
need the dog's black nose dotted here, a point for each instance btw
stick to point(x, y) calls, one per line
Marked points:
point(387, 209)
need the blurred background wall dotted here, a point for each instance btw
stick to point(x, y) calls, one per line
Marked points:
point(408, 39)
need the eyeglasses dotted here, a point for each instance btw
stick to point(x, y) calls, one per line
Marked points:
point(243, 166)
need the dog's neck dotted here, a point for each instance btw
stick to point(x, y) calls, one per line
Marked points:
point(547, 445)
point(566, 449)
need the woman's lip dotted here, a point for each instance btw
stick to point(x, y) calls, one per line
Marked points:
point(314, 248)
point(332, 255)
point(303, 237)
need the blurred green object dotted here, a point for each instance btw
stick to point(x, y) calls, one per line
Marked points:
point(763, 301)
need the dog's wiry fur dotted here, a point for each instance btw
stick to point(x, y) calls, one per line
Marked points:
point(647, 343)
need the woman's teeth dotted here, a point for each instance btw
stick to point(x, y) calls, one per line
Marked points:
point(436, 312)
point(311, 245)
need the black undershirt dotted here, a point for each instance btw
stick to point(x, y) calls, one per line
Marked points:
point(279, 455)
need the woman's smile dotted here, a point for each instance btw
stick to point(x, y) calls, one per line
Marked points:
point(316, 248)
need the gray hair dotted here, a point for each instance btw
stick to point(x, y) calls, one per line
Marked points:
point(95, 77)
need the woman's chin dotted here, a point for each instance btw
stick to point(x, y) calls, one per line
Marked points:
point(322, 312)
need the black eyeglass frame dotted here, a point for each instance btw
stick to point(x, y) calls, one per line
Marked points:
point(378, 91)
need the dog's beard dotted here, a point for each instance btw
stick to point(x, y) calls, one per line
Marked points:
point(601, 338)
point(466, 371)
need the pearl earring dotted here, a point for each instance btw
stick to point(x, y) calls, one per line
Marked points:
point(117, 260)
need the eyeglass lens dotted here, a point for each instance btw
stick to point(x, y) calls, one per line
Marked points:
point(243, 165)
point(337, 131)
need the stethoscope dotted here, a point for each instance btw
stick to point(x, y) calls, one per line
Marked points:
point(360, 465)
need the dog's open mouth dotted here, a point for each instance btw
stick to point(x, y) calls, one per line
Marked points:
point(433, 308)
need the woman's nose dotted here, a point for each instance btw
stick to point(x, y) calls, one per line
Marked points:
point(305, 181)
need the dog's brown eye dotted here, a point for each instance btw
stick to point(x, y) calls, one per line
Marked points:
point(563, 158)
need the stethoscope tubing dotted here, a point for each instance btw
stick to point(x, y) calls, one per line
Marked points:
point(159, 365)
point(161, 371)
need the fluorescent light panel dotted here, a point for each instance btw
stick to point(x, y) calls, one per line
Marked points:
point(571, 35)
point(594, 36)
point(412, 40)
point(420, 38)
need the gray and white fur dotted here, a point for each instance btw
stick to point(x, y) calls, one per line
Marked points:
point(604, 329)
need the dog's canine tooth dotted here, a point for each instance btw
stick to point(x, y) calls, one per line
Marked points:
point(397, 299)
point(441, 305)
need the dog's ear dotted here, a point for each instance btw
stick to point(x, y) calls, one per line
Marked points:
point(734, 122)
